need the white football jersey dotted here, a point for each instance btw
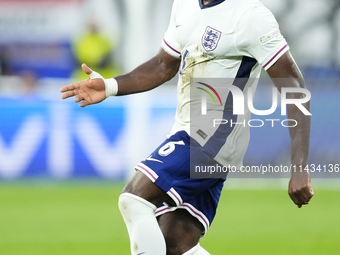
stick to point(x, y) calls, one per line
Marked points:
point(228, 39)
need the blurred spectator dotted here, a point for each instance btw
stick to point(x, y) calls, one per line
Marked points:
point(30, 82)
point(4, 62)
point(94, 49)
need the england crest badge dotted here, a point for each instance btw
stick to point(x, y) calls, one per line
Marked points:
point(211, 38)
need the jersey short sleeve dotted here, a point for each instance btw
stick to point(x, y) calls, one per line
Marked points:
point(169, 43)
point(258, 36)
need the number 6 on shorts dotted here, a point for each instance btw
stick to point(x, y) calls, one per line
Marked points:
point(168, 148)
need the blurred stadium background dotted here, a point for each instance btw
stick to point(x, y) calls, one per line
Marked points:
point(62, 167)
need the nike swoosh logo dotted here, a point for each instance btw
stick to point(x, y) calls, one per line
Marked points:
point(153, 159)
point(178, 26)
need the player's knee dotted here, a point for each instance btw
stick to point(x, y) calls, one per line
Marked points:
point(126, 203)
point(143, 187)
point(130, 205)
point(123, 204)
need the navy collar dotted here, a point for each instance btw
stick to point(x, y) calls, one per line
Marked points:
point(211, 4)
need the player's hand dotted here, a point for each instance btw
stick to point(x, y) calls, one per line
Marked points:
point(300, 190)
point(87, 92)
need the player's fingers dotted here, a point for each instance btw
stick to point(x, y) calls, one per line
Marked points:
point(86, 69)
point(299, 201)
point(308, 193)
point(78, 99)
point(83, 104)
point(69, 87)
point(70, 94)
point(296, 200)
point(300, 205)
point(301, 197)
point(296, 197)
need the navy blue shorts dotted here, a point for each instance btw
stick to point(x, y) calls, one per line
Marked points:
point(169, 168)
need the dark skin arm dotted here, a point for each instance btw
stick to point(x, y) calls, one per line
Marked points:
point(285, 73)
point(150, 75)
point(163, 67)
point(147, 76)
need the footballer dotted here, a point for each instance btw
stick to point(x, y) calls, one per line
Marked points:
point(166, 211)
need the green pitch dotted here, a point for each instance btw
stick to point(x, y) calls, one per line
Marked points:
point(74, 218)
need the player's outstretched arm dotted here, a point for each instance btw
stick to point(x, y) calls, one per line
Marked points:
point(147, 76)
point(285, 73)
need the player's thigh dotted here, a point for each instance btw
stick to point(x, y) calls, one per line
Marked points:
point(181, 231)
point(142, 186)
